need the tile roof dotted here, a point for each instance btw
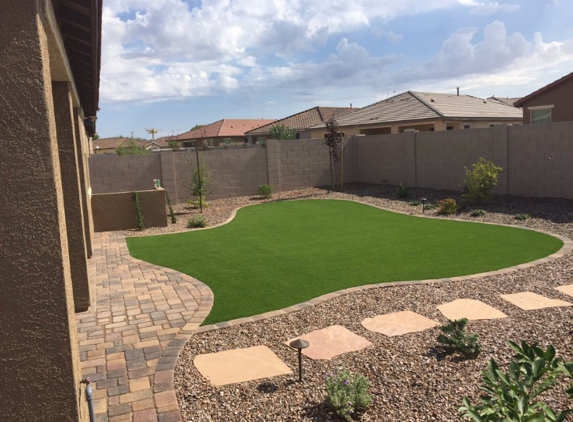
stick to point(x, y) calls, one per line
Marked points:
point(304, 119)
point(111, 143)
point(510, 101)
point(224, 128)
point(412, 105)
point(520, 102)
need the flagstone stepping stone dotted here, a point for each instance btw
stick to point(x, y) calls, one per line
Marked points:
point(332, 341)
point(471, 309)
point(240, 365)
point(568, 289)
point(529, 301)
point(398, 323)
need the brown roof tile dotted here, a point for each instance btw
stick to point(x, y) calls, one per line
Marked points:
point(112, 143)
point(304, 119)
point(224, 128)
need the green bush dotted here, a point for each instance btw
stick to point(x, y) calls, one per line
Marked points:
point(402, 191)
point(522, 216)
point(480, 181)
point(265, 191)
point(196, 221)
point(477, 213)
point(429, 207)
point(447, 206)
point(454, 339)
point(414, 203)
point(511, 396)
point(347, 393)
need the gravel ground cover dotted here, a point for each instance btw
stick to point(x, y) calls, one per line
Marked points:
point(411, 380)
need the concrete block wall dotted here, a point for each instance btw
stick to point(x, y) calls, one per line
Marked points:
point(124, 173)
point(541, 160)
point(537, 161)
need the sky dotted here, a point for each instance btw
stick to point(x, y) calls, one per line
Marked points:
point(172, 64)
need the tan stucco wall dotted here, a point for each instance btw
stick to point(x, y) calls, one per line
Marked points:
point(39, 357)
point(116, 211)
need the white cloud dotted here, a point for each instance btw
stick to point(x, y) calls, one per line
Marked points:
point(489, 8)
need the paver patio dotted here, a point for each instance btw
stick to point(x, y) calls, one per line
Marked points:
point(129, 339)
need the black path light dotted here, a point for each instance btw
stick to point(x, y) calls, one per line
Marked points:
point(299, 344)
point(423, 204)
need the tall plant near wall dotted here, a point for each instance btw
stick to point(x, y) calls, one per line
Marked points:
point(333, 140)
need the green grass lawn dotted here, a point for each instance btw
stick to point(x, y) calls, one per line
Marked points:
point(278, 254)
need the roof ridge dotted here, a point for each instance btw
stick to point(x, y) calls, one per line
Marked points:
point(413, 94)
point(519, 103)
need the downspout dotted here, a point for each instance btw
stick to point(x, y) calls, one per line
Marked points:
point(89, 398)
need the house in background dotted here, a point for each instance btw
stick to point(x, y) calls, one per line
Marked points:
point(423, 111)
point(108, 145)
point(222, 132)
point(300, 122)
point(551, 104)
point(510, 101)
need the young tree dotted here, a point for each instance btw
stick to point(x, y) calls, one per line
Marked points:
point(333, 139)
point(282, 132)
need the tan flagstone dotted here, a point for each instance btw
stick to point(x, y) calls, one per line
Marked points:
point(332, 341)
point(240, 365)
point(568, 289)
point(398, 323)
point(529, 301)
point(469, 308)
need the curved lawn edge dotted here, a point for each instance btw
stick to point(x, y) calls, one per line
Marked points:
point(565, 249)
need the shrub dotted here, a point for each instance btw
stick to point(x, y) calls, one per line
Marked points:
point(480, 181)
point(522, 216)
point(170, 206)
point(347, 393)
point(511, 396)
point(414, 203)
point(429, 207)
point(138, 214)
point(281, 132)
point(447, 206)
point(196, 221)
point(477, 213)
point(402, 191)
point(265, 191)
point(454, 339)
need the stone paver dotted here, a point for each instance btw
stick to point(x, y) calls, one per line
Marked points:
point(398, 323)
point(529, 301)
point(141, 315)
point(568, 289)
point(469, 308)
point(239, 365)
point(332, 341)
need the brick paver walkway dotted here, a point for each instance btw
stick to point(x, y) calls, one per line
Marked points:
point(141, 314)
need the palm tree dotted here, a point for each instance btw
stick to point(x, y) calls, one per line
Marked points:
point(152, 131)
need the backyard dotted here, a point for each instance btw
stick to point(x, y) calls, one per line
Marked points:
point(278, 254)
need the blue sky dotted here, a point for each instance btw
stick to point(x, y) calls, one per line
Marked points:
point(171, 64)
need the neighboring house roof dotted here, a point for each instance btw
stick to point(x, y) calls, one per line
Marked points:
point(304, 119)
point(112, 143)
point(507, 101)
point(545, 88)
point(226, 128)
point(412, 105)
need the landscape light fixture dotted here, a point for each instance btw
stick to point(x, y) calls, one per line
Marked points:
point(299, 344)
point(423, 204)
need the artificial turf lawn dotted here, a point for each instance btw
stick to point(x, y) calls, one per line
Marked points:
point(278, 254)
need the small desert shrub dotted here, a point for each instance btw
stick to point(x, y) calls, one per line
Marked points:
point(265, 191)
point(414, 203)
point(196, 221)
point(402, 191)
point(480, 181)
point(447, 206)
point(429, 207)
point(514, 396)
point(477, 213)
point(347, 393)
point(522, 216)
point(454, 339)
